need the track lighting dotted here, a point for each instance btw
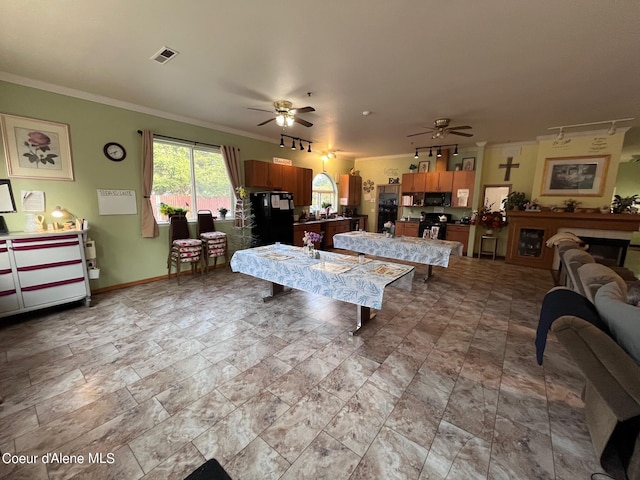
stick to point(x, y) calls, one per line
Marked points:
point(612, 128)
point(293, 142)
point(438, 150)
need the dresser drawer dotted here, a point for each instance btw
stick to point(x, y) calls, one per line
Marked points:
point(6, 280)
point(8, 300)
point(49, 273)
point(46, 250)
point(54, 293)
point(5, 263)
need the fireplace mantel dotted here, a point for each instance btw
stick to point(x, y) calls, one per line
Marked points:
point(529, 231)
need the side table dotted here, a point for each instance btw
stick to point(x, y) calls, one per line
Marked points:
point(491, 248)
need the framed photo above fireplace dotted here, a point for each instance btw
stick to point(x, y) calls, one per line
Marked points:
point(575, 176)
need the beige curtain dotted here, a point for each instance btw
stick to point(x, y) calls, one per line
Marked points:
point(149, 225)
point(231, 157)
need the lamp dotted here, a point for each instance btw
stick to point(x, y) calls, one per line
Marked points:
point(430, 152)
point(560, 134)
point(612, 128)
point(281, 142)
point(301, 147)
point(293, 144)
point(309, 149)
point(438, 150)
point(439, 154)
point(416, 155)
point(64, 215)
point(455, 152)
point(280, 120)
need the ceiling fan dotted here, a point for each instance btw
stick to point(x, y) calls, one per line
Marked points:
point(285, 115)
point(441, 129)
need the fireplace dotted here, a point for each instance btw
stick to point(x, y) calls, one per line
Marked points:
point(606, 250)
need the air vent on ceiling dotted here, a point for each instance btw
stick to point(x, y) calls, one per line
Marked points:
point(164, 55)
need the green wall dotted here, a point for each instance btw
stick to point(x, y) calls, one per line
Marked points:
point(628, 184)
point(123, 255)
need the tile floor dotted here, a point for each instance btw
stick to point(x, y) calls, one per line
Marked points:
point(158, 378)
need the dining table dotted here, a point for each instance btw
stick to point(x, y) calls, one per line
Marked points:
point(427, 251)
point(348, 278)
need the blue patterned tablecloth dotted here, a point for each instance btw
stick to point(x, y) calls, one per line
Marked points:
point(409, 249)
point(342, 278)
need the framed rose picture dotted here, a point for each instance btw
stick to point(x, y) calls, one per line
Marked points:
point(36, 148)
point(423, 166)
point(575, 176)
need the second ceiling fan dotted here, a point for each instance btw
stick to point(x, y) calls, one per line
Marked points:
point(441, 129)
point(286, 116)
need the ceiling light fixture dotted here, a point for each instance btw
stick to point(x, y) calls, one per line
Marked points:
point(612, 129)
point(293, 142)
point(280, 120)
point(438, 150)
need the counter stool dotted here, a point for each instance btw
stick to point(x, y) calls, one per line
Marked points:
point(491, 248)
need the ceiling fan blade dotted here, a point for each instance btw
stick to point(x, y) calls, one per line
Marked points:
point(416, 134)
point(265, 122)
point(465, 127)
point(462, 134)
point(303, 110)
point(260, 110)
point(302, 122)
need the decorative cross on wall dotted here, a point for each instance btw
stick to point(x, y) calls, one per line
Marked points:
point(509, 165)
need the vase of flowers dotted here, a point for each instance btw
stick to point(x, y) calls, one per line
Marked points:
point(309, 240)
point(223, 213)
point(488, 219)
point(389, 229)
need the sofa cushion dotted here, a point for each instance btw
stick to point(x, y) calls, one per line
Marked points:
point(592, 276)
point(622, 319)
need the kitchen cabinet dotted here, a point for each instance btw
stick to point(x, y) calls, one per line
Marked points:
point(414, 182)
point(42, 270)
point(263, 174)
point(273, 176)
point(408, 229)
point(350, 190)
point(331, 228)
point(463, 179)
point(439, 181)
point(459, 233)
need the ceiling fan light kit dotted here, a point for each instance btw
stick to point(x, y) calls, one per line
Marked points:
point(285, 115)
point(441, 129)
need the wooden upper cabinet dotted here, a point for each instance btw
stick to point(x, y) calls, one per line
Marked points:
point(463, 179)
point(350, 190)
point(263, 174)
point(287, 178)
point(414, 182)
point(439, 181)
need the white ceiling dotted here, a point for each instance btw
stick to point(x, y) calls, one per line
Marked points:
point(511, 69)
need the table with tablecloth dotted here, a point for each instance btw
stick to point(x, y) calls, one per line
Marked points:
point(334, 275)
point(430, 252)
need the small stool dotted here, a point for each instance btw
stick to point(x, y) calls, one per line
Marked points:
point(492, 251)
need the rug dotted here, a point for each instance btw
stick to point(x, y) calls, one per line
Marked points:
point(211, 470)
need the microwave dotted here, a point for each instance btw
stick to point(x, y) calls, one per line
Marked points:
point(437, 199)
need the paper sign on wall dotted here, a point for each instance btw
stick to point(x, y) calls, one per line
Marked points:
point(117, 202)
point(463, 197)
point(32, 200)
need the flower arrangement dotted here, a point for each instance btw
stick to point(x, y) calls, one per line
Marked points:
point(223, 212)
point(488, 219)
point(166, 209)
point(389, 228)
point(310, 238)
point(570, 205)
point(242, 192)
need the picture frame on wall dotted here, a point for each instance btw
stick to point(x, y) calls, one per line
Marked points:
point(36, 149)
point(423, 166)
point(469, 163)
point(575, 176)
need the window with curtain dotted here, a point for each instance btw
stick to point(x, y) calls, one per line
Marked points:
point(324, 190)
point(189, 176)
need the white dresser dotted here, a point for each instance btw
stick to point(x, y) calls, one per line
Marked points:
point(39, 270)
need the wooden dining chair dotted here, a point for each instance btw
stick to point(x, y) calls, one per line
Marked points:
point(215, 243)
point(182, 248)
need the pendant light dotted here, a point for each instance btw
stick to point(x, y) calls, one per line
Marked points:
point(430, 152)
point(439, 154)
point(293, 144)
point(281, 142)
point(455, 152)
point(416, 155)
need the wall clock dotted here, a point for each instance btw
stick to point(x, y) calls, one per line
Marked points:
point(114, 151)
point(368, 186)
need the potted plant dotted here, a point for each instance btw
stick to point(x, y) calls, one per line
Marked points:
point(169, 210)
point(327, 208)
point(570, 205)
point(624, 204)
point(413, 167)
point(515, 200)
point(223, 212)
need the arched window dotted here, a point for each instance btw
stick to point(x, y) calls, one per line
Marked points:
point(324, 191)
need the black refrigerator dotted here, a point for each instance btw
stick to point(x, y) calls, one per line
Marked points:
point(273, 218)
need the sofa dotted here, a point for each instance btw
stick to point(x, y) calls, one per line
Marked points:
point(601, 332)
